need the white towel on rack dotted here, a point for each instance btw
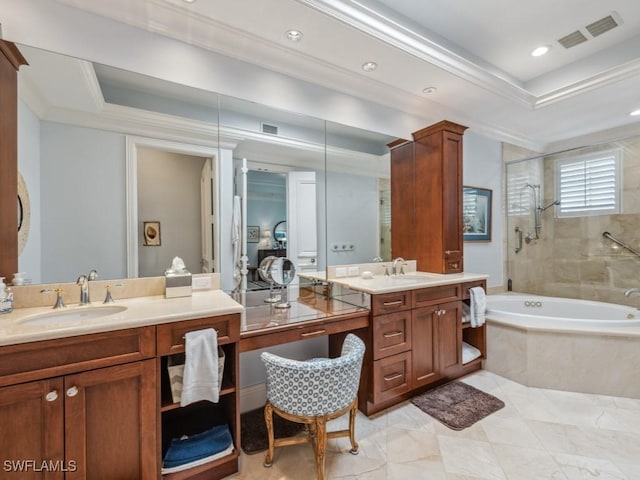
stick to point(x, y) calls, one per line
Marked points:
point(200, 380)
point(478, 306)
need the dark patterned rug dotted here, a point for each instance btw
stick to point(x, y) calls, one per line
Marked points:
point(253, 430)
point(457, 405)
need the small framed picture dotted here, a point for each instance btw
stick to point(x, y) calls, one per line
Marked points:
point(151, 231)
point(253, 234)
point(476, 214)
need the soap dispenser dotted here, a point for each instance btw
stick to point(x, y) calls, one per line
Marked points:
point(6, 297)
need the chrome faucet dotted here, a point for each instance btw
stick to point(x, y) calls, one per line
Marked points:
point(394, 267)
point(631, 290)
point(83, 282)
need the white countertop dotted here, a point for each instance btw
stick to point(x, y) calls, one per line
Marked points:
point(139, 312)
point(410, 281)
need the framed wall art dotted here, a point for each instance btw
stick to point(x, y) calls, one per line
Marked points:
point(476, 214)
point(151, 231)
point(253, 234)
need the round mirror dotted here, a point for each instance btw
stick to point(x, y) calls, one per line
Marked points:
point(264, 267)
point(280, 232)
point(282, 271)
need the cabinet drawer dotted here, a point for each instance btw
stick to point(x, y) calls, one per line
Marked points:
point(391, 377)
point(390, 302)
point(48, 358)
point(452, 261)
point(391, 334)
point(468, 285)
point(434, 295)
point(171, 335)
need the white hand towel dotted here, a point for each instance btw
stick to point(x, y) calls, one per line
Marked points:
point(200, 380)
point(478, 306)
point(466, 313)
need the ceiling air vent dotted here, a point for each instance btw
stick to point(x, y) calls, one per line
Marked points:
point(573, 39)
point(270, 129)
point(603, 25)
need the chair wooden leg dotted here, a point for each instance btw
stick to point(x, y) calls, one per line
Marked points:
point(321, 444)
point(352, 428)
point(268, 418)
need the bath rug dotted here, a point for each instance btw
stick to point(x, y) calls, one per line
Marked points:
point(253, 430)
point(457, 405)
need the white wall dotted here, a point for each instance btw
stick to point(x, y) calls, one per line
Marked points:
point(29, 165)
point(352, 217)
point(83, 202)
point(482, 158)
point(169, 192)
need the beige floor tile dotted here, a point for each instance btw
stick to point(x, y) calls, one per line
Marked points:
point(527, 463)
point(470, 457)
point(631, 470)
point(584, 468)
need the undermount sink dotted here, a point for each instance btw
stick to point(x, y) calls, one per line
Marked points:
point(72, 315)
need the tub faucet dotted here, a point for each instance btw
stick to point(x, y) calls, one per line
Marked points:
point(394, 267)
point(631, 290)
point(83, 282)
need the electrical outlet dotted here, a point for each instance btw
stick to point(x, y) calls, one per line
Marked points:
point(354, 271)
point(203, 282)
point(341, 272)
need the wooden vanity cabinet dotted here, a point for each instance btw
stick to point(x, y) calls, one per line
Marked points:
point(85, 422)
point(414, 342)
point(426, 202)
point(200, 416)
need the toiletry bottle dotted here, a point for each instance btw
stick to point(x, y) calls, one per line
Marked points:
point(6, 297)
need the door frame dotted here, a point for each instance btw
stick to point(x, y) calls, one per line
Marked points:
point(133, 143)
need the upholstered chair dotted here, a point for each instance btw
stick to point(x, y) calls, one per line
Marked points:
point(313, 392)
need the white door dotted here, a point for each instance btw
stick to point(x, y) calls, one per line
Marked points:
point(302, 237)
point(207, 211)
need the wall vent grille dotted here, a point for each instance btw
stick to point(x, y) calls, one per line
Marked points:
point(270, 129)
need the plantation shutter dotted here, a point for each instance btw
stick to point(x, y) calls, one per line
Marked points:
point(589, 185)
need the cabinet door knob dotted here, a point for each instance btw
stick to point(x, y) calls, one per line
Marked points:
point(442, 312)
point(72, 391)
point(51, 396)
point(447, 252)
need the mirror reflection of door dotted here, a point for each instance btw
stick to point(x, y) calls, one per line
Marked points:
point(169, 192)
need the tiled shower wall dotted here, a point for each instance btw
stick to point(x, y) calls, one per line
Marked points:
point(572, 258)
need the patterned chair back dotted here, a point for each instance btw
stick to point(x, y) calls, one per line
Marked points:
point(318, 386)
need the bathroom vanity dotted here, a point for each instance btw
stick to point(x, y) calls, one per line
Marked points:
point(416, 335)
point(92, 396)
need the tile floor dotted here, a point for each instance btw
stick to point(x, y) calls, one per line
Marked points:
point(540, 434)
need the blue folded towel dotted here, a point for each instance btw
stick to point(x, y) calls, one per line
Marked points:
point(201, 445)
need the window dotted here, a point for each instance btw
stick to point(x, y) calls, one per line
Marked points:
point(589, 184)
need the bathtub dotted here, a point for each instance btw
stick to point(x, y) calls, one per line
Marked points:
point(564, 344)
point(554, 311)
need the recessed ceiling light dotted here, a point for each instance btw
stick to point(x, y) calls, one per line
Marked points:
point(369, 66)
point(293, 35)
point(429, 90)
point(188, 1)
point(635, 113)
point(541, 50)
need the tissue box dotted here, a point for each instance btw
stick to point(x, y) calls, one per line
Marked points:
point(175, 367)
point(177, 285)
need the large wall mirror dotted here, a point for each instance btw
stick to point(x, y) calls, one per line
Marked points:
point(105, 152)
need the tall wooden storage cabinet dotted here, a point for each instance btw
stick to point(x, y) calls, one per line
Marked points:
point(426, 198)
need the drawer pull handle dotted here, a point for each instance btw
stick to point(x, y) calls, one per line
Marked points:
point(396, 302)
point(388, 378)
point(447, 252)
point(311, 334)
point(51, 396)
point(394, 334)
point(72, 391)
